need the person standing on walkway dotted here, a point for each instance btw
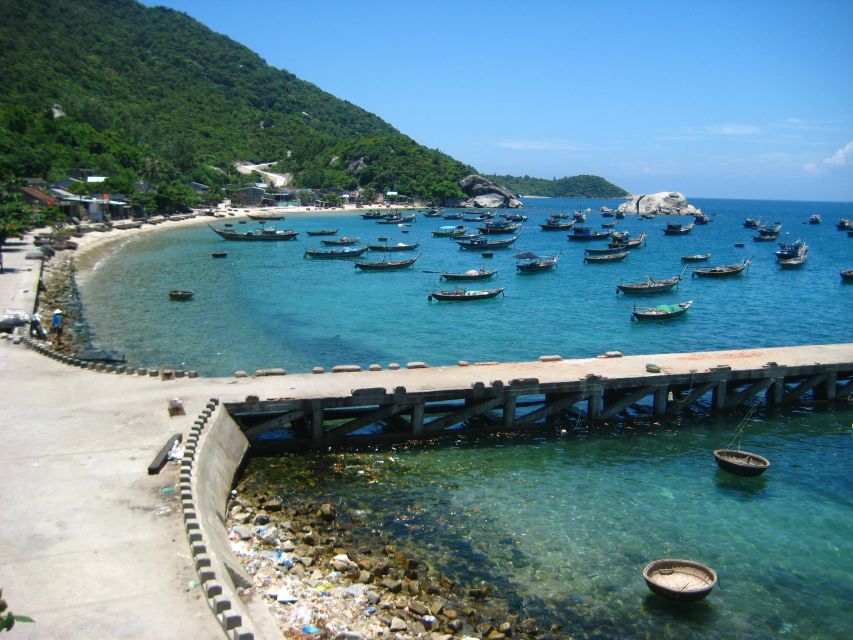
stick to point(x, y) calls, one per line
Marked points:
point(57, 322)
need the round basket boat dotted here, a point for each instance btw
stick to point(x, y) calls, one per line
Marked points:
point(178, 294)
point(683, 580)
point(741, 463)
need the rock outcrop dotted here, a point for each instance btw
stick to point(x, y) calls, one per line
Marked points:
point(666, 203)
point(484, 194)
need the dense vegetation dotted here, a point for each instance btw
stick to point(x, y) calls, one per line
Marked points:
point(152, 95)
point(569, 187)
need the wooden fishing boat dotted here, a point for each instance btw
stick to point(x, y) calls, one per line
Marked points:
point(609, 225)
point(579, 216)
point(770, 229)
point(608, 257)
point(219, 254)
point(453, 216)
point(266, 217)
point(722, 271)
point(557, 224)
point(650, 285)
point(483, 243)
point(181, 295)
point(386, 265)
point(814, 219)
point(331, 254)
point(620, 215)
point(696, 257)
point(741, 463)
point(514, 217)
point(647, 216)
point(498, 227)
point(628, 242)
point(400, 246)
point(844, 224)
point(373, 215)
point(847, 275)
point(393, 219)
point(602, 251)
point(472, 274)
point(678, 229)
point(450, 231)
point(322, 232)
point(767, 237)
point(344, 241)
point(701, 218)
point(266, 234)
point(433, 213)
point(661, 312)
point(475, 217)
point(528, 262)
point(606, 212)
point(792, 254)
point(228, 224)
point(752, 223)
point(463, 295)
point(683, 580)
point(588, 234)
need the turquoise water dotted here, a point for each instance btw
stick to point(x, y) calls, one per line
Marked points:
point(562, 527)
point(265, 305)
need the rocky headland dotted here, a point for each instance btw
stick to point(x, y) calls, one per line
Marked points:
point(669, 203)
point(484, 194)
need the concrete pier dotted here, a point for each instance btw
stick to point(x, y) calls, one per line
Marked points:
point(322, 411)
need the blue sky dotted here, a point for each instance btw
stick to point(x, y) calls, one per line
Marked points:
point(740, 99)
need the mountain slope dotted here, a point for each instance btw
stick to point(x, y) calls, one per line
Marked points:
point(151, 86)
point(583, 186)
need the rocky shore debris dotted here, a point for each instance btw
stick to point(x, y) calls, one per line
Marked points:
point(319, 581)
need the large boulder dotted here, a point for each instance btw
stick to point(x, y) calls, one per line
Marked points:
point(484, 194)
point(665, 202)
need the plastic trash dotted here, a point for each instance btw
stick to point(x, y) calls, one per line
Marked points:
point(165, 490)
point(192, 584)
point(311, 629)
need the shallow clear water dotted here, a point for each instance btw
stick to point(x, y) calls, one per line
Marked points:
point(265, 305)
point(563, 526)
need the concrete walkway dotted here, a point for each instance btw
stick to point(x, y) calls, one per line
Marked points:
point(92, 546)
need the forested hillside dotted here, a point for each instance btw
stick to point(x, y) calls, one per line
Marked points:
point(151, 94)
point(569, 187)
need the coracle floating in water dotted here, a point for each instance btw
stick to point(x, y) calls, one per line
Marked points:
point(682, 580)
point(741, 463)
point(179, 294)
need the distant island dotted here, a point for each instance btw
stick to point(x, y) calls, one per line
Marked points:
point(583, 186)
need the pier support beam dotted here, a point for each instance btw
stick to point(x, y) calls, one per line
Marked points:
point(553, 404)
point(826, 391)
point(418, 419)
point(594, 404)
point(661, 397)
point(317, 423)
point(690, 398)
point(718, 401)
point(626, 401)
point(776, 391)
point(509, 410)
point(806, 385)
point(740, 397)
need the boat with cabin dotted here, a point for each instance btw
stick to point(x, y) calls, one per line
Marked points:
point(344, 241)
point(557, 223)
point(792, 254)
point(529, 262)
point(752, 223)
point(624, 241)
point(498, 227)
point(815, 219)
point(450, 231)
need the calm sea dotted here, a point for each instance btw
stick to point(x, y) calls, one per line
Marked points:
point(265, 305)
point(560, 526)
